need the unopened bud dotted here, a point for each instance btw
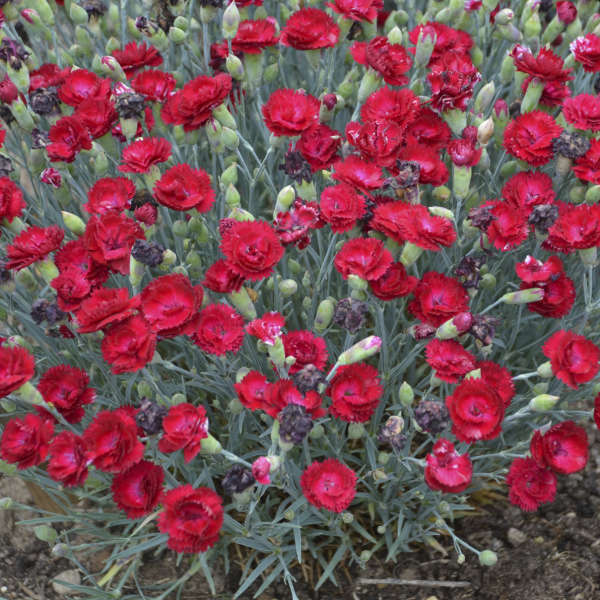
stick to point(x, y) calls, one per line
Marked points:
point(357, 283)
point(232, 196)
point(504, 16)
point(6, 503)
point(424, 50)
point(410, 253)
point(239, 214)
point(77, 14)
point(523, 296)
point(285, 199)
point(45, 533)
point(532, 96)
point(234, 67)
point(356, 431)
point(243, 303)
point(589, 256)
point(229, 175)
point(177, 36)
point(222, 114)
point(210, 445)
point(361, 351)
point(406, 394)
point(485, 131)
point(324, 316)
point(231, 21)
point(455, 326)
point(488, 558)
point(484, 97)
point(288, 287)
point(73, 223)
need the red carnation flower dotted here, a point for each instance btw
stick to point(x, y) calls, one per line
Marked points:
point(184, 188)
point(563, 448)
point(417, 225)
point(394, 283)
point(253, 37)
point(366, 258)
point(129, 345)
point(98, 115)
point(219, 329)
point(32, 245)
point(252, 248)
point(319, 145)
point(574, 359)
point(109, 239)
point(438, 298)
point(431, 167)
point(391, 61)
point(462, 152)
point(137, 56)
point(364, 176)
point(587, 167)
point(447, 470)
point(447, 40)
point(306, 348)
point(154, 85)
point(566, 11)
point(310, 29)
point(499, 379)
point(72, 288)
point(16, 368)
point(386, 104)
point(66, 388)
point(509, 227)
point(222, 278)
point(329, 484)
point(290, 112)
point(530, 136)
point(547, 66)
point(476, 411)
point(251, 390)
point(357, 10)
point(378, 141)
point(111, 441)
point(449, 359)
point(192, 106)
point(110, 193)
point(577, 228)
point(75, 254)
point(68, 463)
point(341, 206)
point(293, 226)
point(48, 75)
point(452, 79)
point(138, 489)
point(586, 50)
point(530, 485)
point(185, 426)
point(267, 328)
point(170, 304)
point(140, 156)
point(11, 200)
point(80, 85)
point(25, 442)
point(68, 136)
point(355, 391)
point(583, 112)
point(192, 518)
point(528, 189)
point(103, 307)
point(283, 392)
point(428, 129)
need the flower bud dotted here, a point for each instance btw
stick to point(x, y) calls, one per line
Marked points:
point(485, 131)
point(230, 138)
point(395, 36)
point(232, 197)
point(234, 67)
point(504, 17)
point(507, 69)
point(356, 431)
point(210, 445)
point(523, 296)
point(484, 97)
point(541, 387)
point(229, 175)
point(543, 402)
point(45, 533)
point(222, 114)
point(424, 50)
point(368, 84)
point(406, 394)
point(488, 558)
point(441, 211)
point(73, 223)
point(231, 21)
point(441, 193)
point(347, 517)
point(239, 214)
point(592, 195)
point(589, 256)
point(22, 114)
point(532, 96)
point(324, 315)
point(461, 181)
point(177, 36)
point(285, 199)
point(457, 325)
point(243, 303)
point(77, 14)
point(288, 287)
point(271, 73)
point(357, 283)
point(361, 351)
point(6, 503)
point(46, 269)
point(410, 253)
point(532, 27)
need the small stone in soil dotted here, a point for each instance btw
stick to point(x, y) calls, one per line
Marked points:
point(516, 537)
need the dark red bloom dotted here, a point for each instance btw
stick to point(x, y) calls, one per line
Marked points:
point(566, 11)
point(476, 411)
point(447, 470)
point(11, 200)
point(447, 40)
point(577, 228)
point(111, 441)
point(184, 188)
point(415, 224)
point(219, 329)
point(587, 168)
point(110, 193)
point(140, 156)
point(290, 112)
point(16, 368)
point(428, 129)
point(530, 136)
point(310, 29)
point(563, 448)
point(253, 37)
point(74, 254)
point(509, 227)
point(8, 91)
point(293, 225)
point(462, 152)
point(366, 258)
point(452, 79)
point(341, 205)
point(252, 249)
point(400, 106)
point(170, 304)
point(306, 348)
point(391, 61)
point(47, 76)
point(138, 489)
point(586, 50)
point(185, 426)
point(192, 518)
point(431, 167)
point(153, 84)
point(364, 176)
point(137, 56)
point(574, 358)
point(104, 307)
point(109, 239)
point(66, 388)
point(355, 391)
point(267, 328)
point(378, 141)
point(220, 277)
point(32, 245)
point(129, 345)
point(251, 390)
point(438, 298)
point(98, 115)
point(25, 442)
point(449, 359)
point(527, 189)
point(394, 283)
point(499, 379)
point(530, 485)
point(319, 145)
point(80, 85)
point(192, 106)
point(583, 112)
point(283, 392)
point(72, 288)
point(547, 67)
point(68, 136)
point(68, 463)
point(329, 484)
